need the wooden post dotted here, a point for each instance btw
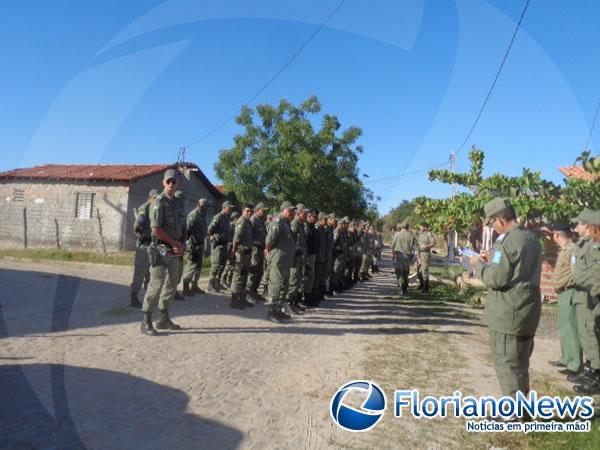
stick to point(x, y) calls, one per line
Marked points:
point(100, 231)
point(25, 227)
point(57, 233)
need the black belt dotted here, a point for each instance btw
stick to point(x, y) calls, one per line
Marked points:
point(144, 241)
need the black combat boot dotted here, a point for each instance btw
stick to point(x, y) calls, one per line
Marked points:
point(187, 292)
point(164, 322)
point(426, 287)
point(196, 289)
point(178, 296)
point(592, 386)
point(211, 285)
point(235, 302)
point(254, 295)
point(244, 301)
point(147, 327)
point(421, 283)
point(134, 302)
point(584, 376)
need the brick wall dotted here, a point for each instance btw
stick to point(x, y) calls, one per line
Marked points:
point(47, 215)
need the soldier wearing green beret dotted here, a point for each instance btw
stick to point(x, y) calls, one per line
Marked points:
point(257, 260)
point(512, 274)
point(141, 263)
point(219, 232)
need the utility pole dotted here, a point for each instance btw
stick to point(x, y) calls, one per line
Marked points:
point(452, 234)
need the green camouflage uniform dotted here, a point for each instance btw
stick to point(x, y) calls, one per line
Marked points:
point(320, 284)
point(141, 271)
point(194, 249)
point(219, 231)
point(242, 240)
point(165, 270)
point(340, 255)
point(367, 254)
point(513, 306)
point(230, 264)
point(310, 259)
point(282, 252)
point(403, 247)
point(296, 273)
point(570, 345)
point(257, 261)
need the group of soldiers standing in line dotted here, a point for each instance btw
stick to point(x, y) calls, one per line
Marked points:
point(297, 257)
point(577, 282)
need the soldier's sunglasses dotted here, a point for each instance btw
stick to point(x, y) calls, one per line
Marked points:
point(171, 181)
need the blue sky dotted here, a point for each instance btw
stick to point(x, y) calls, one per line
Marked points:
point(131, 82)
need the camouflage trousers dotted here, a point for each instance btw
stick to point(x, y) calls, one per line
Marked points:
point(257, 268)
point(141, 268)
point(164, 279)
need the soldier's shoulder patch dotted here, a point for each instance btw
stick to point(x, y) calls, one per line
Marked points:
point(497, 257)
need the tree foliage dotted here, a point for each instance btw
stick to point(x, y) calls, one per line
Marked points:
point(534, 198)
point(281, 156)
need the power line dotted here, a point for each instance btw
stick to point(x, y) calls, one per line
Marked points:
point(589, 139)
point(274, 77)
point(426, 169)
point(489, 94)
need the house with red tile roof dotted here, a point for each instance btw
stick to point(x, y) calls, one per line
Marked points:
point(87, 206)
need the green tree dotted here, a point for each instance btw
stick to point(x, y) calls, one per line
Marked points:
point(280, 156)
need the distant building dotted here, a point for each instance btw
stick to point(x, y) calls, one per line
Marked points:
point(87, 206)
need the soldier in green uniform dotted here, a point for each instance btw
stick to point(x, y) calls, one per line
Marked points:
point(563, 284)
point(194, 250)
point(377, 249)
point(426, 242)
point(296, 273)
point(242, 251)
point(180, 200)
point(141, 264)
point(331, 226)
point(219, 231)
point(587, 282)
point(585, 317)
point(403, 248)
point(340, 254)
point(366, 245)
point(281, 251)
point(230, 265)
point(166, 248)
point(257, 260)
point(265, 278)
point(512, 274)
point(320, 283)
point(351, 271)
point(310, 260)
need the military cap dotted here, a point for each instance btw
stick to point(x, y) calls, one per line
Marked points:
point(593, 217)
point(344, 219)
point(493, 207)
point(203, 202)
point(260, 205)
point(583, 216)
point(312, 211)
point(322, 216)
point(180, 195)
point(300, 207)
point(153, 193)
point(560, 226)
point(235, 215)
point(170, 173)
point(287, 205)
point(332, 216)
point(228, 204)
